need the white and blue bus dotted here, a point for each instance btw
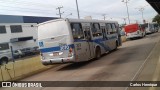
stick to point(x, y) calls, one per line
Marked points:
point(76, 40)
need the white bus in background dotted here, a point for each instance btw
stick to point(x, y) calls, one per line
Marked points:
point(76, 40)
point(151, 27)
point(156, 26)
point(18, 36)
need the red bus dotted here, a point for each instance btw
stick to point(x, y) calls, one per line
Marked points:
point(134, 30)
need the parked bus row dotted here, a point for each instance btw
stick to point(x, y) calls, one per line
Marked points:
point(76, 40)
point(140, 30)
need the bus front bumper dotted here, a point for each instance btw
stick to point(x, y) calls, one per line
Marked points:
point(133, 36)
point(58, 60)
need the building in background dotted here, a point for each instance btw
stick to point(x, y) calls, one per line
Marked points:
point(18, 33)
point(23, 19)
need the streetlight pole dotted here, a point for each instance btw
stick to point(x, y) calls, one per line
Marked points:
point(141, 9)
point(126, 2)
point(77, 9)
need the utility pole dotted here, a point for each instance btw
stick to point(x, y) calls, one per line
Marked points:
point(77, 9)
point(126, 2)
point(104, 16)
point(141, 9)
point(59, 9)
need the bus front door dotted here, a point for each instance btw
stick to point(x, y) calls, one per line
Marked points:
point(87, 32)
point(82, 47)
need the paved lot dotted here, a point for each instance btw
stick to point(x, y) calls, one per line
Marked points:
point(135, 60)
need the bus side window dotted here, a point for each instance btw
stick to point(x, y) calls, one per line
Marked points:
point(96, 31)
point(108, 28)
point(87, 33)
point(77, 31)
point(114, 29)
point(103, 32)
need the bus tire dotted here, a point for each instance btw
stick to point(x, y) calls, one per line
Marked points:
point(3, 61)
point(98, 53)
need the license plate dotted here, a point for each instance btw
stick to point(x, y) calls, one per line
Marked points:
point(56, 54)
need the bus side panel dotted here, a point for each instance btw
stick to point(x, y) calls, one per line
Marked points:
point(82, 51)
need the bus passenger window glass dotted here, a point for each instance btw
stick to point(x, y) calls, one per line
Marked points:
point(87, 33)
point(114, 28)
point(96, 30)
point(103, 32)
point(77, 31)
point(4, 46)
point(2, 29)
point(109, 28)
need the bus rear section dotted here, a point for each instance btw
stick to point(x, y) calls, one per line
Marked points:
point(55, 42)
point(134, 31)
point(149, 27)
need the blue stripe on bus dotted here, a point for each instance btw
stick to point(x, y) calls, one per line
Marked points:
point(98, 41)
point(101, 39)
point(51, 49)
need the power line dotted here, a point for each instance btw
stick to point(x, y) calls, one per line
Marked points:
point(28, 4)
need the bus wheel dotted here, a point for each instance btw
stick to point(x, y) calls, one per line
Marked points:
point(98, 53)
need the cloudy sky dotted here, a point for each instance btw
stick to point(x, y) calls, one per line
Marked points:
point(114, 9)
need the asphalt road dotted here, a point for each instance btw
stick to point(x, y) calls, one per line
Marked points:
point(123, 64)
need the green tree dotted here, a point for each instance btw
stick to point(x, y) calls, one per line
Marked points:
point(156, 19)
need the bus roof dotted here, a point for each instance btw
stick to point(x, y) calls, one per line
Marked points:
point(77, 20)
